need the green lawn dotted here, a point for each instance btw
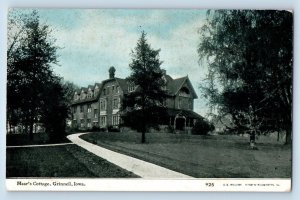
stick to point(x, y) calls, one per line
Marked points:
point(59, 161)
point(224, 156)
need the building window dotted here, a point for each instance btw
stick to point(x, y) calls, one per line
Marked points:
point(89, 125)
point(113, 89)
point(96, 91)
point(117, 89)
point(131, 87)
point(179, 103)
point(76, 96)
point(89, 108)
point(102, 104)
point(184, 92)
point(82, 123)
point(81, 108)
point(103, 121)
point(115, 103)
point(115, 120)
point(88, 94)
point(104, 91)
point(83, 95)
point(95, 113)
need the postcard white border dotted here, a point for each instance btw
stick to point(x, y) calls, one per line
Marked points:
point(287, 4)
point(184, 185)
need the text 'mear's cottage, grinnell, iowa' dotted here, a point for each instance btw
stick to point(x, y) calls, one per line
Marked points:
point(98, 105)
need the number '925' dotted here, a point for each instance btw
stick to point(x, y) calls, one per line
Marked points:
point(210, 184)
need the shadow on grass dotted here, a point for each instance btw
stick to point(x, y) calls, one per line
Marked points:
point(38, 138)
point(60, 161)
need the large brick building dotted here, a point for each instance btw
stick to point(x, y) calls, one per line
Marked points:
point(98, 105)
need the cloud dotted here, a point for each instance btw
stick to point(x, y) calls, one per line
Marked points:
point(103, 38)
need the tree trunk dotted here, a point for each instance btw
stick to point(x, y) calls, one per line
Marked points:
point(143, 140)
point(31, 130)
point(288, 136)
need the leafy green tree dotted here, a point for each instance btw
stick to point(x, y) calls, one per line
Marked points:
point(30, 81)
point(250, 59)
point(147, 78)
point(54, 110)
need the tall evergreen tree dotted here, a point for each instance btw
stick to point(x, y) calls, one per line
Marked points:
point(143, 105)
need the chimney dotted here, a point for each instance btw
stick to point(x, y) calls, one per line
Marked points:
point(112, 71)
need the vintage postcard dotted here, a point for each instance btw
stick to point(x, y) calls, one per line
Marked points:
point(149, 100)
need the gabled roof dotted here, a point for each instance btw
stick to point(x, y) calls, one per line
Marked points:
point(98, 84)
point(91, 86)
point(174, 85)
point(83, 89)
point(123, 84)
point(78, 91)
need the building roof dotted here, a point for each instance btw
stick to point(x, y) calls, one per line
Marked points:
point(123, 84)
point(173, 87)
point(91, 86)
point(176, 84)
point(186, 113)
point(86, 100)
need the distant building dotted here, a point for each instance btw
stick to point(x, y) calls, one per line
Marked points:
point(98, 105)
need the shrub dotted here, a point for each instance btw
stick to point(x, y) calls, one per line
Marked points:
point(202, 127)
point(95, 128)
point(113, 129)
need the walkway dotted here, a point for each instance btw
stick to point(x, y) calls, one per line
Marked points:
point(39, 145)
point(138, 167)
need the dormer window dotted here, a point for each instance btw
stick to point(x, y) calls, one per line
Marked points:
point(90, 94)
point(96, 91)
point(75, 96)
point(82, 96)
point(131, 87)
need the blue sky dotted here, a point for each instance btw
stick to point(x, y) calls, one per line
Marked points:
point(92, 40)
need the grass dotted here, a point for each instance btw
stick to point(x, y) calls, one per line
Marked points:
point(59, 161)
point(220, 156)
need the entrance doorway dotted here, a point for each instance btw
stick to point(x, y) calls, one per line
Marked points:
point(180, 123)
